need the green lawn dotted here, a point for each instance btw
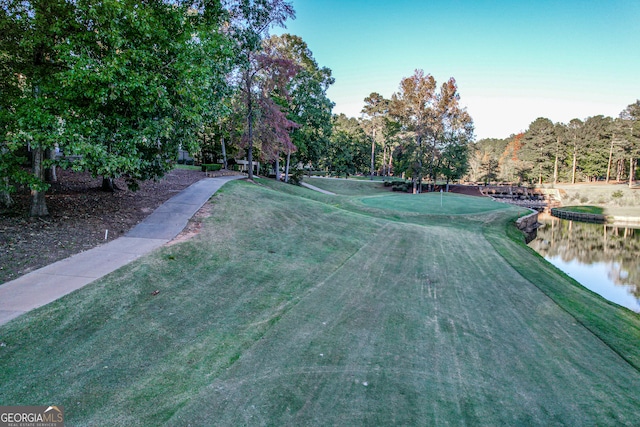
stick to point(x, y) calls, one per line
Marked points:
point(594, 210)
point(292, 307)
point(433, 204)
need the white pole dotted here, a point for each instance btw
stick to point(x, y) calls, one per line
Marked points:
point(441, 197)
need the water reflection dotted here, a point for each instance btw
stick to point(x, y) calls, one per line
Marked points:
point(603, 258)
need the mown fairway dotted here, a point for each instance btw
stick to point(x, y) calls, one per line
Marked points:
point(297, 308)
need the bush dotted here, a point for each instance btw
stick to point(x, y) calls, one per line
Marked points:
point(296, 177)
point(208, 167)
point(401, 186)
point(617, 194)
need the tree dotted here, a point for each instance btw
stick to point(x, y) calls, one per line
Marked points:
point(122, 84)
point(454, 160)
point(453, 125)
point(539, 147)
point(509, 161)
point(630, 117)
point(597, 134)
point(249, 25)
point(308, 105)
point(414, 107)
point(573, 130)
point(376, 107)
point(32, 33)
point(348, 146)
point(142, 81)
point(390, 139)
point(432, 119)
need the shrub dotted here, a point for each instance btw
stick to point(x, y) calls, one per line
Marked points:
point(207, 167)
point(617, 194)
point(296, 177)
point(401, 186)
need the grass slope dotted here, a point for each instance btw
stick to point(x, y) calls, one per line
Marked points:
point(297, 308)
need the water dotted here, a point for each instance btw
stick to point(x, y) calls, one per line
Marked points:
point(603, 258)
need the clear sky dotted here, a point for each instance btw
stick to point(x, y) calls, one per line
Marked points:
point(514, 61)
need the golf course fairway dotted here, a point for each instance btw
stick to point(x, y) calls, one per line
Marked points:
point(367, 307)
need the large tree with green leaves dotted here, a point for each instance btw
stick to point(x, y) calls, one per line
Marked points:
point(30, 62)
point(376, 108)
point(630, 125)
point(414, 107)
point(142, 80)
point(597, 134)
point(348, 148)
point(119, 84)
point(539, 148)
point(250, 22)
point(432, 118)
point(307, 105)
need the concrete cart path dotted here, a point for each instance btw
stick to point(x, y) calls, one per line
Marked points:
point(314, 188)
point(49, 283)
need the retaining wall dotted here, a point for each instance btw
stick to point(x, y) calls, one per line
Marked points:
point(528, 223)
point(578, 216)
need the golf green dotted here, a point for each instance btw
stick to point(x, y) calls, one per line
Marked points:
point(433, 203)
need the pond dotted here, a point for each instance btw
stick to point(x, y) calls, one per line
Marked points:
point(603, 258)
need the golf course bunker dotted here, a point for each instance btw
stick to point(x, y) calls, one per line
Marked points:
point(434, 203)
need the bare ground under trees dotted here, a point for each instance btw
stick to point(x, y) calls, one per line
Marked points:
point(80, 214)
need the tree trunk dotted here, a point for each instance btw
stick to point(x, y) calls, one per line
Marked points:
point(278, 167)
point(555, 163)
point(224, 153)
point(539, 174)
point(610, 157)
point(107, 184)
point(575, 162)
point(620, 170)
point(286, 168)
point(632, 171)
point(38, 201)
point(5, 196)
point(249, 81)
point(384, 161)
point(373, 152)
point(50, 172)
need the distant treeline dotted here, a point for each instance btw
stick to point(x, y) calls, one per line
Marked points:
point(598, 148)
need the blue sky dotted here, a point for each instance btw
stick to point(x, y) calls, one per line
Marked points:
point(514, 61)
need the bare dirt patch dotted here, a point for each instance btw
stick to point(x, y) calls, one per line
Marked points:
point(81, 216)
point(194, 225)
point(468, 190)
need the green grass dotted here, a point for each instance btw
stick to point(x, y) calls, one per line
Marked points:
point(594, 210)
point(188, 167)
point(348, 187)
point(297, 308)
point(434, 204)
point(615, 199)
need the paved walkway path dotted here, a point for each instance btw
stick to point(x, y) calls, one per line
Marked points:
point(49, 283)
point(313, 187)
